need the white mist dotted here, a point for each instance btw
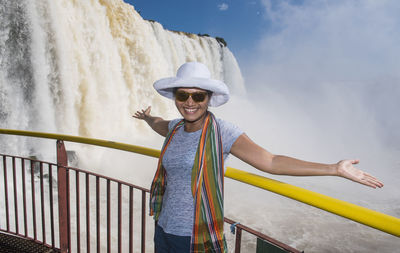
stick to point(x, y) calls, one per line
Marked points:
point(92, 64)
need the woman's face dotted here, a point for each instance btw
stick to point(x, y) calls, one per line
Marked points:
point(191, 108)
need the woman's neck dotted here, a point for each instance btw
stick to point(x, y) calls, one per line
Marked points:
point(193, 126)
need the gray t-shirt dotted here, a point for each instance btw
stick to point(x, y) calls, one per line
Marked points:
point(177, 211)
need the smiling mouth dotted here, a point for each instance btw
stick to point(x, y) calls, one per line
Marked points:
point(190, 110)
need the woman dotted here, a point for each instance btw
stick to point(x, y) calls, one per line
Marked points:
point(186, 196)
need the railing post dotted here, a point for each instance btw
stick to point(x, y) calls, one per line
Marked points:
point(62, 160)
point(238, 239)
point(143, 221)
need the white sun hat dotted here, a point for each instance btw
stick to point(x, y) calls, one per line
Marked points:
point(194, 75)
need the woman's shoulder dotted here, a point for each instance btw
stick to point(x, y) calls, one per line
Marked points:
point(228, 127)
point(229, 133)
point(226, 124)
point(173, 122)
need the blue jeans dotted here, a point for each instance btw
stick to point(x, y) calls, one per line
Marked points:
point(169, 243)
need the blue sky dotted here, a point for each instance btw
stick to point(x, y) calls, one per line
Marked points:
point(240, 22)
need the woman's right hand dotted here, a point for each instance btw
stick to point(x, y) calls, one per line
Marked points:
point(158, 124)
point(142, 114)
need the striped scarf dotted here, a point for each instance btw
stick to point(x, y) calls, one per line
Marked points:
point(207, 189)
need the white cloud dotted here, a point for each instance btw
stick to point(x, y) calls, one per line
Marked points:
point(353, 40)
point(223, 6)
point(338, 61)
point(326, 75)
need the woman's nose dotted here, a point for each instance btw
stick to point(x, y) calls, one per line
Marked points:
point(190, 101)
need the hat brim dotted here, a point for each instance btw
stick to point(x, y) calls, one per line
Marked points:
point(220, 92)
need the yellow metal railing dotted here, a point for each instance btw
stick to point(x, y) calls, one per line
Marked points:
point(383, 222)
point(371, 218)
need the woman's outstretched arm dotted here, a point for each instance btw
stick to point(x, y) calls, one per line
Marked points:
point(158, 124)
point(248, 151)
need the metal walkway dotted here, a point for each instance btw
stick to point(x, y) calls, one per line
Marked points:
point(14, 244)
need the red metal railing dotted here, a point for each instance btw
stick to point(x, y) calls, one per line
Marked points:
point(26, 202)
point(43, 203)
point(238, 237)
point(72, 210)
point(102, 187)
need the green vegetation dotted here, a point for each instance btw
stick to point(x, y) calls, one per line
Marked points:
point(221, 41)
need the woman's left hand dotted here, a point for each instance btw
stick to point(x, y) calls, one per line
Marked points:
point(346, 169)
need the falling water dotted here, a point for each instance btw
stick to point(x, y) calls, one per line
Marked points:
point(84, 67)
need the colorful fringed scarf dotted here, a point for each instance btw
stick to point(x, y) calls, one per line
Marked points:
point(207, 188)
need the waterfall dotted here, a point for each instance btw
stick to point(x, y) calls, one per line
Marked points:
point(84, 67)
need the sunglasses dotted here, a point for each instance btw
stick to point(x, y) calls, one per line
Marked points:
point(197, 97)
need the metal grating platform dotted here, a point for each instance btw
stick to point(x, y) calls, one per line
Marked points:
point(14, 244)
